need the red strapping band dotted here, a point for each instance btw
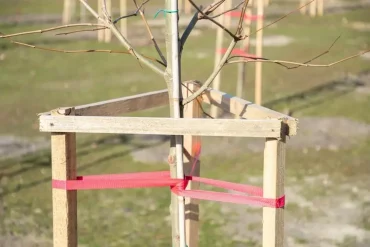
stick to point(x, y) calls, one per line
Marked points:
point(245, 17)
point(178, 186)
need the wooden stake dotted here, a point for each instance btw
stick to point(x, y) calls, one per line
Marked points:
point(68, 11)
point(320, 7)
point(273, 187)
point(101, 33)
point(313, 8)
point(228, 5)
point(191, 110)
point(108, 31)
point(187, 7)
point(83, 13)
point(63, 158)
point(302, 10)
point(259, 40)
point(123, 12)
point(218, 55)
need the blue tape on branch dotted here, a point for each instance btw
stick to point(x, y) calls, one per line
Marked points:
point(165, 11)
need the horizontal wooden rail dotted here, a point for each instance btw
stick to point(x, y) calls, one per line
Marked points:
point(246, 109)
point(123, 105)
point(161, 126)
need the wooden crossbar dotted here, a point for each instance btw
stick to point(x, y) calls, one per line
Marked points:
point(246, 109)
point(161, 126)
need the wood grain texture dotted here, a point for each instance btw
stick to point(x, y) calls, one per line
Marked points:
point(161, 126)
point(63, 158)
point(273, 187)
point(123, 105)
point(191, 142)
point(246, 109)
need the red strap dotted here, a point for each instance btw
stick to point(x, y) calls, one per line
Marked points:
point(178, 186)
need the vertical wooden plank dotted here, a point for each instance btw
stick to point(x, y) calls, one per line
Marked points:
point(320, 7)
point(187, 8)
point(313, 8)
point(219, 42)
point(273, 187)
point(68, 11)
point(123, 12)
point(83, 13)
point(302, 10)
point(228, 5)
point(108, 31)
point(259, 40)
point(191, 148)
point(101, 33)
point(63, 158)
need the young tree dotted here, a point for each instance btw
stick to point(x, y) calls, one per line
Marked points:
point(168, 66)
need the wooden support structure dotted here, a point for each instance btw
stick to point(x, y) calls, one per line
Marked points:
point(103, 117)
point(273, 187)
point(191, 145)
point(316, 8)
point(108, 31)
point(187, 8)
point(63, 160)
point(69, 9)
point(123, 22)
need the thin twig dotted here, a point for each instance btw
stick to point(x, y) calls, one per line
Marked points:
point(123, 40)
point(213, 75)
point(215, 22)
point(227, 11)
point(82, 30)
point(151, 34)
point(284, 16)
point(132, 14)
point(282, 62)
point(188, 30)
point(81, 51)
point(51, 29)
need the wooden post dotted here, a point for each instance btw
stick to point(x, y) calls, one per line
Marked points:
point(68, 11)
point(219, 42)
point(187, 8)
point(313, 8)
point(320, 7)
point(191, 145)
point(302, 10)
point(228, 5)
point(83, 13)
point(273, 187)
point(101, 33)
point(267, 3)
point(108, 31)
point(259, 40)
point(63, 158)
point(123, 12)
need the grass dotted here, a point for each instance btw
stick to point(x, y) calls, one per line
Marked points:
point(33, 81)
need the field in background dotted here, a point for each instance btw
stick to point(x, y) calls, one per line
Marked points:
point(327, 163)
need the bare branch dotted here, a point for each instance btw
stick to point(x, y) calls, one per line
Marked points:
point(215, 22)
point(227, 11)
point(284, 16)
point(150, 33)
point(80, 51)
point(188, 30)
point(82, 30)
point(213, 75)
point(51, 29)
point(123, 40)
point(282, 62)
point(132, 14)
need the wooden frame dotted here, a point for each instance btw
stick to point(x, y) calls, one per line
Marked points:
point(103, 117)
point(315, 8)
